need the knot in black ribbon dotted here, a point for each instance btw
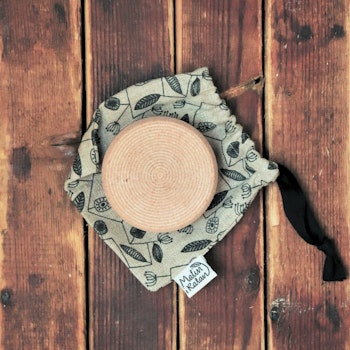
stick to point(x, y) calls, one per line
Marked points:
point(328, 247)
point(305, 224)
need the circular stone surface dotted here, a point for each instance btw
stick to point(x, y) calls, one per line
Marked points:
point(159, 174)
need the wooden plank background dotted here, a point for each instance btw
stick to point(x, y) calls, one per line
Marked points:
point(307, 117)
point(60, 286)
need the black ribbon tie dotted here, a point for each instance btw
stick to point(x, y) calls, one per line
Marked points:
point(305, 224)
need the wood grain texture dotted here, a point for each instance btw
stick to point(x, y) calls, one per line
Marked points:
point(42, 282)
point(228, 313)
point(307, 101)
point(127, 42)
point(307, 127)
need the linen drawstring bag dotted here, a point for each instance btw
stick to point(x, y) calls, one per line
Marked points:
point(155, 258)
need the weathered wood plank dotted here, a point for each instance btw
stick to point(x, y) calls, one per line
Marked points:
point(42, 250)
point(307, 100)
point(228, 313)
point(127, 42)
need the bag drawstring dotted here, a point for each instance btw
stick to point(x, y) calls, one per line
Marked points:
point(305, 224)
point(295, 204)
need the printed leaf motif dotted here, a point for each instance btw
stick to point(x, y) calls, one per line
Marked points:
point(97, 116)
point(100, 227)
point(195, 87)
point(142, 83)
point(95, 138)
point(218, 198)
point(147, 101)
point(272, 166)
point(188, 230)
point(77, 165)
point(245, 137)
point(112, 103)
point(186, 118)
point(195, 246)
point(157, 253)
point(233, 149)
point(133, 253)
point(174, 84)
point(206, 126)
point(233, 174)
point(79, 201)
point(250, 169)
point(137, 233)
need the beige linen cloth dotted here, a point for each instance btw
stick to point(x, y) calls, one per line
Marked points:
point(155, 258)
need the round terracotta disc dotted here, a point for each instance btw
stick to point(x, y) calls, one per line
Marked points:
point(159, 174)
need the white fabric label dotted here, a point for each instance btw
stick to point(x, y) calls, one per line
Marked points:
point(195, 276)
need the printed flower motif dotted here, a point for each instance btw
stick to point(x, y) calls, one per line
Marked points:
point(223, 106)
point(113, 127)
point(246, 190)
point(251, 156)
point(212, 225)
point(101, 204)
point(241, 208)
point(206, 75)
point(188, 229)
point(151, 278)
point(179, 104)
point(73, 184)
point(164, 238)
point(230, 126)
point(157, 109)
point(228, 203)
point(94, 156)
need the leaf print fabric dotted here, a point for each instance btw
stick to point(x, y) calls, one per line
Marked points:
point(147, 101)
point(154, 258)
point(174, 84)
